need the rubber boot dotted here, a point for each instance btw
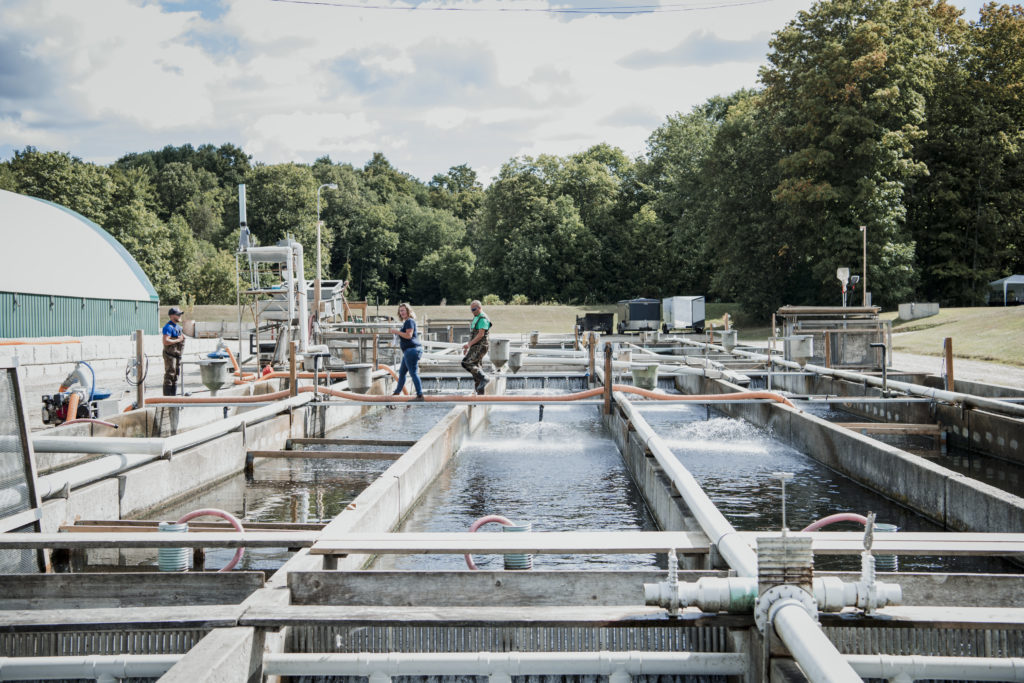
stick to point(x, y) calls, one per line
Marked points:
point(169, 391)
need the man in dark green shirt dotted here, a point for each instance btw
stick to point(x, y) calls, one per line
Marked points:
point(477, 346)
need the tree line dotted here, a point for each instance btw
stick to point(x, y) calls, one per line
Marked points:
point(897, 115)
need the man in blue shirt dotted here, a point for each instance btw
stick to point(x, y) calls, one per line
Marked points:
point(174, 344)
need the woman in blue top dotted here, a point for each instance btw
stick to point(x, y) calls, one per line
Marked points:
point(412, 350)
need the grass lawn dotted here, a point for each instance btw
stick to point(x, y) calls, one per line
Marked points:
point(993, 333)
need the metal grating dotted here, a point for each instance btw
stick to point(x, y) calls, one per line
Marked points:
point(20, 560)
point(942, 642)
point(66, 644)
point(14, 490)
point(379, 639)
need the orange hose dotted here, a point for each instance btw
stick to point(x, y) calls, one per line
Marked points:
point(461, 398)
point(199, 400)
point(405, 390)
point(770, 395)
point(243, 376)
point(299, 375)
point(72, 407)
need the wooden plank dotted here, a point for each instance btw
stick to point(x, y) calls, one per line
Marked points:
point(890, 428)
point(142, 539)
point(107, 619)
point(605, 616)
point(554, 542)
point(464, 588)
point(329, 455)
point(906, 543)
point(312, 441)
point(129, 589)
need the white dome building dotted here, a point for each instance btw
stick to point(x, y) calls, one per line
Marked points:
point(64, 275)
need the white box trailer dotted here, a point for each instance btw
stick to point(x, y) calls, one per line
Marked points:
point(682, 312)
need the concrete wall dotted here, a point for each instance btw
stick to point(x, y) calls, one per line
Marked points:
point(50, 363)
point(664, 502)
point(180, 475)
point(970, 429)
point(946, 497)
point(913, 311)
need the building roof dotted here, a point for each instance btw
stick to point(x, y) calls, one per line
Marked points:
point(1008, 280)
point(59, 252)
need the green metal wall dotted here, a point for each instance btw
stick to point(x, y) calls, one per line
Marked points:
point(42, 315)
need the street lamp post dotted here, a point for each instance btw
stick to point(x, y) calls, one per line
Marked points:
point(316, 282)
point(864, 269)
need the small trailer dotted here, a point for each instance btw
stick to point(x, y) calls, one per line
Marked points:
point(682, 312)
point(638, 315)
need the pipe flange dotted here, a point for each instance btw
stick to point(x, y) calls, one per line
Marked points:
point(775, 595)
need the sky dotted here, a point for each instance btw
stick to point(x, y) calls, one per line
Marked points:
point(431, 84)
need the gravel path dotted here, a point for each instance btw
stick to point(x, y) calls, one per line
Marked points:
point(973, 370)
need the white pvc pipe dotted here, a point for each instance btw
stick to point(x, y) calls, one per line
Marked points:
point(170, 444)
point(49, 485)
point(42, 443)
point(813, 651)
point(513, 663)
point(300, 290)
point(87, 666)
point(712, 522)
point(980, 402)
point(914, 667)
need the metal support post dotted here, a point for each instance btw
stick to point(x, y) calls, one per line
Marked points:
point(607, 378)
point(293, 385)
point(140, 367)
point(947, 352)
point(592, 352)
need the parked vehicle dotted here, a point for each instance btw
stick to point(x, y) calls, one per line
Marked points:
point(638, 315)
point(682, 312)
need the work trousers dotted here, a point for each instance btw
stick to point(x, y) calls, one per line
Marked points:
point(172, 369)
point(474, 358)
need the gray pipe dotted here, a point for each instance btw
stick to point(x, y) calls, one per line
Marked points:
point(712, 522)
point(510, 663)
point(979, 402)
point(87, 666)
point(957, 668)
point(810, 647)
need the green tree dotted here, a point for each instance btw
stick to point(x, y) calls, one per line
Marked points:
point(968, 215)
point(846, 85)
point(63, 179)
point(445, 273)
point(281, 202)
point(214, 279)
point(458, 191)
point(757, 260)
point(150, 243)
